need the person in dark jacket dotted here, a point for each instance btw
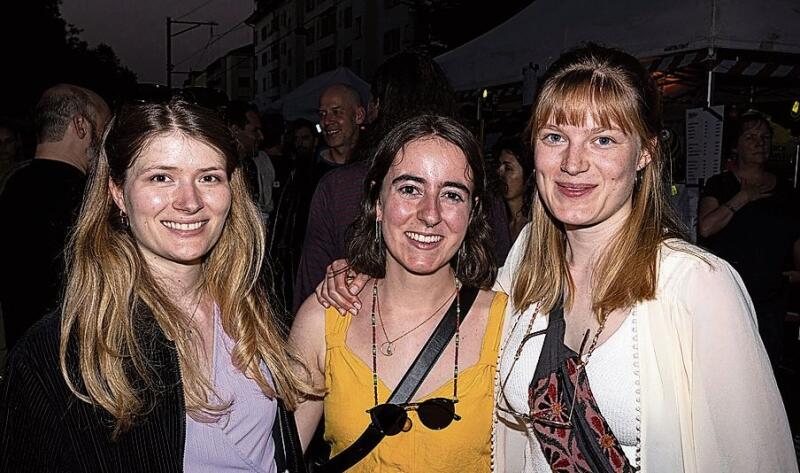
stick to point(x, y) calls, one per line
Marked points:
point(164, 355)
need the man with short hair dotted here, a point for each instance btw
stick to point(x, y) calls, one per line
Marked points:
point(245, 125)
point(41, 201)
point(341, 115)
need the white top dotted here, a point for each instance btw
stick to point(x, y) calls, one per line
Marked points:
point(709, 401)
point(612, 375)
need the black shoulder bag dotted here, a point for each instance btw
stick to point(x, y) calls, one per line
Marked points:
point(288, 451)
point(408, 386)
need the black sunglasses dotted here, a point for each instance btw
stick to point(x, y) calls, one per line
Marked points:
point(435, 414)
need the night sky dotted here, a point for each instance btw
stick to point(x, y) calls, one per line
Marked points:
point(136, 30)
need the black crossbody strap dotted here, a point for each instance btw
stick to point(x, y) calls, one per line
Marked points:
point(433, 348)
point(410, 383)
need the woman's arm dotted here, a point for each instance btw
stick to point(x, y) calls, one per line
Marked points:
point(308, 338)
point(738, 421)
point(715, 215)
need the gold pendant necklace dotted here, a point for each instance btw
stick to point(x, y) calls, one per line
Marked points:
point(387, 348)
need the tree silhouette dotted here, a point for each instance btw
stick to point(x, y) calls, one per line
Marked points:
point(40, 49)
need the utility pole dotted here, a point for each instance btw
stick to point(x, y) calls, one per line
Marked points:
point(170, 35)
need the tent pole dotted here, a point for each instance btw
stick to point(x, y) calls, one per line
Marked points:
point(708, 91)
point(796, 159)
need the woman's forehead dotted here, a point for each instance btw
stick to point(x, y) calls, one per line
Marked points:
point(432, 156)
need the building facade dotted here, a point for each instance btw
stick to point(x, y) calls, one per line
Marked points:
point(295, 40)
point(231, 74)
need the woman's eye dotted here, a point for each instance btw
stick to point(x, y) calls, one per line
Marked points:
point(552, 138)
point(408, 190)
point(160, 178)
point(211, 178)
point(454, 196)
point(605, 140)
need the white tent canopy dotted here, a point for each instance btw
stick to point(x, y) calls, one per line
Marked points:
point(303, 102)
point(542, 31)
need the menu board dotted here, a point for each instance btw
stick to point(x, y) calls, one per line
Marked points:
point(703, 142)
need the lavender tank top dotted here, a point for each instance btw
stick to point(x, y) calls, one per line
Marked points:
point(241, 439)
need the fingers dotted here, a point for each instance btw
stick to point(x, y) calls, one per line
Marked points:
point(335, 290)
point(357, 284)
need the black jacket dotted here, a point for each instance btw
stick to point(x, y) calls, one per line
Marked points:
point(45, 428)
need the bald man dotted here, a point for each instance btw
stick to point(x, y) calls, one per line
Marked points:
point(40, 203)
point(341, 114)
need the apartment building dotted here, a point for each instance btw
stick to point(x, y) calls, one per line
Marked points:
point(295, 40)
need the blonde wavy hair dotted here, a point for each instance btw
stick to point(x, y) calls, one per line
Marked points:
point(110, 287)
point(615, 89)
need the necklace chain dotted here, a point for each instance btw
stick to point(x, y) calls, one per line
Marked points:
point(386, 347)
point(187, 331)
point(375, 345)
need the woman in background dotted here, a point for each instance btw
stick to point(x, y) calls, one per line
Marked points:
point(750, 218)
point(515, 167)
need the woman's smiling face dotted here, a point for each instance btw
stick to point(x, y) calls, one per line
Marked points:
point(585, 174)
point(177, 196)
point(425, 205)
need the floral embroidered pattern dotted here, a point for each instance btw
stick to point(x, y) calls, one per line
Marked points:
point(572, 432)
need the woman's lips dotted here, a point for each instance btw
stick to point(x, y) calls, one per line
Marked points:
point(574, 190)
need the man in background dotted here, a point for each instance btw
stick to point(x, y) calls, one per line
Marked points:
point(41, 201)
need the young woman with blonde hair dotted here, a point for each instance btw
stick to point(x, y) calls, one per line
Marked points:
point(165, 356)
point(629, 348)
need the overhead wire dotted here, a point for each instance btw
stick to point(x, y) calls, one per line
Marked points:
point(194, 9)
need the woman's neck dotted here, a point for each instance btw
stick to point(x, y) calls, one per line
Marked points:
point(586, 245)
point(401, 288)
point(181, 283)
point(750, 170)
point(515, 207)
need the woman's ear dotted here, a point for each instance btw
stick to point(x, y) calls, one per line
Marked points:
point(645, 156)
point(117, 195)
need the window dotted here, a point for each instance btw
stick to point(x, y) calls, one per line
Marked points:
point(328, 24)
point(263, 84)
point(283, 77)
point(309, 5)
point(310, 35)
point(274, 51)
point(273, 78)
point(289, 58)
point(283, 18)
point(283, 48)
point(244, 82)
point(263, 32)
point(357, 65)
point(391, 41)
point(387, 4)
point(264, 58)
point(274, 23)
point(357, 27)
point(348, 17)
point(327, 59)
point(347, 56)
point(309, 69)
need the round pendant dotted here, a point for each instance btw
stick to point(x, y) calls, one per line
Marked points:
point(407, 425)
point(386, 348)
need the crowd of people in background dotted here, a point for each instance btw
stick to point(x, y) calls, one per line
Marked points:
point(162, 252)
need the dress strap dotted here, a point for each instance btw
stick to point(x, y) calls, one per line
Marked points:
point(494, 328)
point(336, 327)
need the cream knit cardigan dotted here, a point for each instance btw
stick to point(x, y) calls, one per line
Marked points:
point(709, 401)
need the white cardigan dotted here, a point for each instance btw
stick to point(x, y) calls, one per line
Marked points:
point(709, 401)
